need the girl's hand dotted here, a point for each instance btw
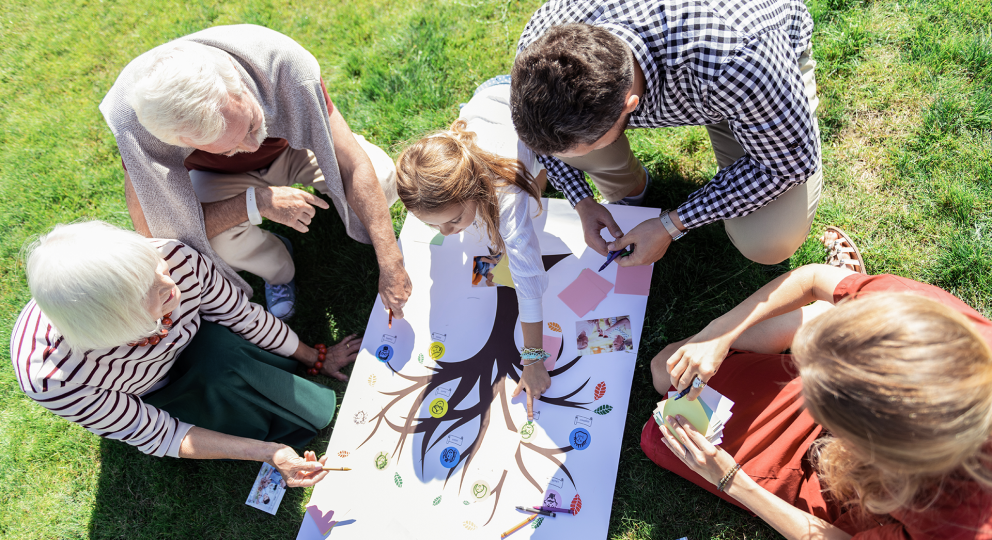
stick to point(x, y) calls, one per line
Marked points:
point(297, 471)
point(535, 381)
point(699, 357)
point(710, 462)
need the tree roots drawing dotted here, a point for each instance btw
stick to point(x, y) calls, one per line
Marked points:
point(485, 373)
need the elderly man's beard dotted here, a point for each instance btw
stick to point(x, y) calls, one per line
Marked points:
point(261, 134)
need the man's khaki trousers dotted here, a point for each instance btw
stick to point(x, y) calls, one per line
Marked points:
point(255, 250)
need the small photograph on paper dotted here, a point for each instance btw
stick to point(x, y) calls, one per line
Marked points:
point(598, 336)
point(267, 491)
point(482, 270)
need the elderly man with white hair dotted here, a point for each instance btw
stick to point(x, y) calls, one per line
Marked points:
point(213, 129)
point(145, 341)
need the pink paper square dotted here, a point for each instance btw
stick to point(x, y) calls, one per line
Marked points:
point(585, 293)
point(634, 280)
point(551, 346)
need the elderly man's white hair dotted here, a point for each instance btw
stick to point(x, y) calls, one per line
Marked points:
point(179, 90)
point(91, 280)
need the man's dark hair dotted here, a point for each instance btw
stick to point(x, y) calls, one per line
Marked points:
point(568, 87)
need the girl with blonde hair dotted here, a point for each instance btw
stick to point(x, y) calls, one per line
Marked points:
point(478, 174)
point(877, 425)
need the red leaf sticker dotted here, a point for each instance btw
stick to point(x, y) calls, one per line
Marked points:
point(600, 390)
point(576, 504)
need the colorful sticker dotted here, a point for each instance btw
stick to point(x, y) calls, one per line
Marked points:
point(552, 498)
point(600, 390)
point(554, 327)
point(436, 350)
point(537, 523)
point(371, 380)
point(576, 504)
point(437, 501)
point(398, 480)
point(527, 431)
point(449, 457)
point(360, 417)
point(580, 439)
point(420, 358)
point(343, 454)
point(603, 409)
point(438, 408)
point(384, 353)
point(470, 526)
point(381, 461)
point(480, 491)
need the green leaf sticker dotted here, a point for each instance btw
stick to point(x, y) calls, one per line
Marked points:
point(466, 503)
point(536, 523)
point(437, 501)
point(603, 409)
point(398, 480)
point(420, 358)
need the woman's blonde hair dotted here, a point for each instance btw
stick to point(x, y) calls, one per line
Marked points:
point(90, 279)
point(903, 384)
point(449, 168)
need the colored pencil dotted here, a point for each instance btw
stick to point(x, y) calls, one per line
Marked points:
point(336, 468)
point(535, 510)
point(519, 526)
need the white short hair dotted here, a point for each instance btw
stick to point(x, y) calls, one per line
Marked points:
point(179, 90)
point(90, 279)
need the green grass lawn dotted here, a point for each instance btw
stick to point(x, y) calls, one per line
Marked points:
point(906, 118)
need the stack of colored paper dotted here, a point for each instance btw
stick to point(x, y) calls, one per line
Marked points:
point(708, 413)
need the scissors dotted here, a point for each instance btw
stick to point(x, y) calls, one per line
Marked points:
point(613, 255)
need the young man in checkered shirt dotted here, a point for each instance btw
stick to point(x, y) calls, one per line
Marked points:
point(587, 70)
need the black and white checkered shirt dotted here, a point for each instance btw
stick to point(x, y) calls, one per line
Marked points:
point(706, 61)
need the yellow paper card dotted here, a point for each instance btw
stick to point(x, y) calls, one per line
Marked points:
point(501, 272)
point(690, 410)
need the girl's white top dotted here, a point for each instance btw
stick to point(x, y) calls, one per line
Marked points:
point(488, 115)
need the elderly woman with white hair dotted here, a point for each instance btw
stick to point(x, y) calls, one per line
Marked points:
point(144, 341)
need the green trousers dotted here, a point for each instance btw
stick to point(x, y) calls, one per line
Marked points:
point(223, 383)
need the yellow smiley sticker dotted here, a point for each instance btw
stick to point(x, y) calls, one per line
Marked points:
point(437, 350)
point(438, 408)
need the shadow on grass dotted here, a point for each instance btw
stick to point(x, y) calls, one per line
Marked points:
point(701, 277)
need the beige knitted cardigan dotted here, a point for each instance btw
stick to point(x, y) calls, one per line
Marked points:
point(286, 80)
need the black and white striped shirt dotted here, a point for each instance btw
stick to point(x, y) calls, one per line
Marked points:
point(706, 61)
point(101, 389)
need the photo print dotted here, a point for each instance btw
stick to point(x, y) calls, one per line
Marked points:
point(597, 336)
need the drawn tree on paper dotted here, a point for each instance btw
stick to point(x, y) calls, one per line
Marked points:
point(500, 356)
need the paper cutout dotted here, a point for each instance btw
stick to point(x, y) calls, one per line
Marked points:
point(580, 439)
point(552, 498)
point(480, 491)
point(586, 292)
point(691, 410)
point(634, 280)
point(323, 521)
point(437, 240)
point(713, 406)
point(482, 267)
point(608, 335)
point(438, 408)
point(449, 457)
point(384, 353)
point(600, 391)
point(501, 273)
point(552, 346)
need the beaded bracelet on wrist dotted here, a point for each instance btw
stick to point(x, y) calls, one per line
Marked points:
point(727, 477)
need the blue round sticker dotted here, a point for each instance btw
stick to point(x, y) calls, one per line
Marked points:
point(580, 439)
point(449, 457)
point(384, 353)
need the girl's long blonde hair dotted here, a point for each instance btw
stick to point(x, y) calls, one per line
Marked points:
point(449, 168)
point(903, 384)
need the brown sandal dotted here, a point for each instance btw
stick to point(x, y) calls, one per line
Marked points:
point(837, 247)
